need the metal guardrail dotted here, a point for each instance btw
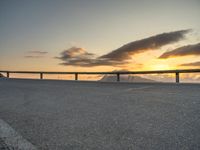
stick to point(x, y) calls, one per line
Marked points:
point(117, 73)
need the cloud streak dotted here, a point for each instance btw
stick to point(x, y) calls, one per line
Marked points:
point(121, 56)
point(32, 56)
point(182, 51)
point(35, 54)
point(193, 64)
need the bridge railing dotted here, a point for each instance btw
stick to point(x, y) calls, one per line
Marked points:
point(117, 73)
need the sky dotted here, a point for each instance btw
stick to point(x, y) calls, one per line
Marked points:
point(99, 35)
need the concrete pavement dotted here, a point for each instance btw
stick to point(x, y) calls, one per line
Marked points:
point(59, 115)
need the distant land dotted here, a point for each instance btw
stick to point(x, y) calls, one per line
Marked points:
point(125, 78)
point(1, 75)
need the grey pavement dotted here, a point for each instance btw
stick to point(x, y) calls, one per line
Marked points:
point(70, 115)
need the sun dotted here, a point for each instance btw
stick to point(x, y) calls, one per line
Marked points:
point(160, 67)
point(156, 64)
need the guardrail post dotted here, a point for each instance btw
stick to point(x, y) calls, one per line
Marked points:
point(8, 74)
point(177, 77)
point(76, 76)
point(41, 75)
point(118, 77)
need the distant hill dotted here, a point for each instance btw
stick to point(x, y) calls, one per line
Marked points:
point(125, 78)
point(1, 75)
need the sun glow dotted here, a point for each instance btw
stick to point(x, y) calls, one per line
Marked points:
point(160, 67)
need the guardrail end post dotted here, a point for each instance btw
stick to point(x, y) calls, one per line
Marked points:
point(118, 77)
point(76, 76)
point(177, 77)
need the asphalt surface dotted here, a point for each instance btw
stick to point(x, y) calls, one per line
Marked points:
point(70, 115)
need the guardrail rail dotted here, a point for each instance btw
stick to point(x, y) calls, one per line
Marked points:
point(117, 73)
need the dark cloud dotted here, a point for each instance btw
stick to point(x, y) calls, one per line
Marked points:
point(194, 64)
point(75, 53)
point(35, 54)
point(80, 57)
point(182, 51)
point(143, 45)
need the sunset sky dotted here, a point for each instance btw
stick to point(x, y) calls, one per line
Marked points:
point(99, 35)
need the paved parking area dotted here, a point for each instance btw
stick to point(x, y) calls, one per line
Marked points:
point(59, 115)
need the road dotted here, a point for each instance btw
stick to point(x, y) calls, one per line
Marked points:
point(75, 115)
